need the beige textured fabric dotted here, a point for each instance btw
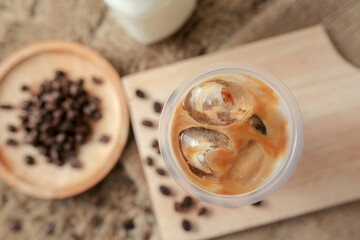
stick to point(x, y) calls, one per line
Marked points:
point(215, 25)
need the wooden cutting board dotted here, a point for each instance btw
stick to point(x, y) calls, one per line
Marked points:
point(328, 91)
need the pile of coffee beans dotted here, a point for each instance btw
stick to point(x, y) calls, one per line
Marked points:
point(57, 118)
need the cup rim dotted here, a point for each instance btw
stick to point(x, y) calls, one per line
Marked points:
point(278, 178)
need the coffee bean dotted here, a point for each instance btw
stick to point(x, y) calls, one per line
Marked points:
point(60, 138)
point(80, 82)
point(43, 150)
point(97, 80)
point(59, 73)
point(11, 142)
point(99, 202)
point(6, 107)
point(70, 115)
point(74, 162)
point(79, 138)
point(146, 236)
point(15, 225)
point(148, 210)
point(54, 153)
point(140, 93)
point(165, 190)
point(155, 143)
point(96, 115)
point(29, 160)
point(12, 128)
point(158, 107)
point(26, 105)
point(24, 88)
point(104, 139)
point(75, 236)
point(257, 124)
point(147, 123)
point(96, 221)
point(202, 211)
point(149, 161)
point(186, 225)
point(31, 137)
point(178, 207)
point(187, 202)
point(160, 171)
point(128, 224)
point(257, 204)
point(49, 228)
point(74, 90)
point(158, 149)
point(58, 162)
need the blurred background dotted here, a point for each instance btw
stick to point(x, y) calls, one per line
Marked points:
point(100, 213)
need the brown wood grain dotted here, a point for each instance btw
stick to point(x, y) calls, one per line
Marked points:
point(327, 89)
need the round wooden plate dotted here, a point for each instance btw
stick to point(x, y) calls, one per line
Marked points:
point(31, 66)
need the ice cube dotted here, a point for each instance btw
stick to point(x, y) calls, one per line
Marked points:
point(200, 146)
point(218, 102)
point(248, 165)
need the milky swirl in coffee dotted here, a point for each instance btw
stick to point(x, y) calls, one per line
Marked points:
point(229, 133)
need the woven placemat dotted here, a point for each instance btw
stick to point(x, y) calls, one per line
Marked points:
point(122, 195)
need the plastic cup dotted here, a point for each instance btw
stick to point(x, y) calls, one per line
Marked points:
point(282, 172)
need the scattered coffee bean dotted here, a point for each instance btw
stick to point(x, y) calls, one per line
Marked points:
point(25, 88)
point(15, 225)
point(178, 207)
point(49, 228)
point(128, 224)
point(29, 160)
point(140, 93)
point(148, 210)
point(146, 236)
point(104, 139)
point(6, 107)
point(187, 202)
point(96, 221)
point(155, 144)
point(165, 190)
point(202, 211)
point(158, 149)
point(12, 128)
point(186, 225)
point(75, 236)
point(257, 204)
point(258, 124)
point(158, 107)
point(160, 171)
point(147, 123)
point(59, 73)
point(11, 142)
point(99, 202)
point(149, 161)
point(97, 80)
point(74, 162)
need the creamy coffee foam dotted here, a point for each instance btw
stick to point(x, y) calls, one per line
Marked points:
point(229, 133)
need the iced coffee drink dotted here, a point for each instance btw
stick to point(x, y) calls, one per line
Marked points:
point(229, 133)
